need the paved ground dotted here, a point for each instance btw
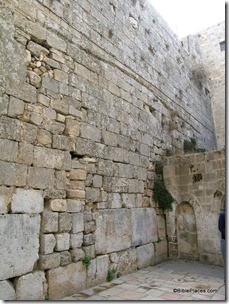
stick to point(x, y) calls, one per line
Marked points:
point(170, 280)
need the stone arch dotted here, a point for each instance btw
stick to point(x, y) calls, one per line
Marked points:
point(186, 232)
point(171, 221)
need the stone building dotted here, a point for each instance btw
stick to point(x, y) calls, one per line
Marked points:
point(93, 94)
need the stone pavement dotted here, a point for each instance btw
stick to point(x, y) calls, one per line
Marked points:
point(171, 280)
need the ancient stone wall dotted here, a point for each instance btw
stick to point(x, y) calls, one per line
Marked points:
point(92, 93)
point(197, 182)
point(211, 45)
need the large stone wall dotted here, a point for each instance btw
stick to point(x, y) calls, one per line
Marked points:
point(211, 56)
point(92, 93)
point(197, 181)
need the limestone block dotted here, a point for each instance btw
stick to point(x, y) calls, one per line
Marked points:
point(58, 205)
point(25, 153)
point(92, 195)
point(65, 258)
point(88, 239)
point(31, 286)
point(127, 261)
point(89, 227)
point(47, 243)
point(77, 254)
point(13, 174)
point(78, 174)
point(59, 106)
point(77, 222)
point(7, 291)
point(161, 251)
point(128, 200)
point(75, 205)
point(5, 199)
point(72, 127)
point(34, 79)
point(60, 76)
point(67, 280)
point(43, 100)
point(56, 42)
point(61, 142)
point(102, 267)
point(97, 181)
point(27, 201)
point(20, 235)
point(90, 132)
point(37, 49)
point(76, 193)
point(50, 84)
point(76, 240)
point(114, 200)
point(62, 241)
point(50, 158)
point(49, 261)
point(49, 221)
point(16, 107)
point(41, 178)
point(65, 222)
point(113, 230)
point(89, 251)
point(145, 255)
point(44, 137)
point(144, 226)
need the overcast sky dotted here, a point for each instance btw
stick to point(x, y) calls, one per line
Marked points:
point(190, 16)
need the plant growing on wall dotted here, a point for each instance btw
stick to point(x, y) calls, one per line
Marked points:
point(161, 195)
point(111, 274)
point(86, 261)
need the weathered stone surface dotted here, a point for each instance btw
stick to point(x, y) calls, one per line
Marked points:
point(65, 258)
point(126, 261)
point(49, 221)
point(97, 270)
point(145, 255)
point(76, 240)
point(77, 254)
point(144, 226)
point(49, 261)
point(77, 222)
point(7, 291)
point(113, 231)
point(31, 286)
point(75, 205)
point(62, 241)
point(20, 236)
point(57, 205)
point(41, 178)
point(16, 107)
point(47, 243)
point(67, 280)
point(13, 174)
point(27, 201)
point(49, 158)
point(65, 222)
point(5, 199)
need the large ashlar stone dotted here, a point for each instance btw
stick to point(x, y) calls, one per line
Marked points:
point(20, 235)
point(31, 286)
point(113, 230)
point(98, 270)
point(7, 291)
point(27, 201)
point(145, 256)
point(67, 280)
point(144, 226)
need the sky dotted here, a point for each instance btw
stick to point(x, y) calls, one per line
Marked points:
point(189, 17)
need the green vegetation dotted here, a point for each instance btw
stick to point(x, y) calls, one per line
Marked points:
point(161, 195)
point(86, 261)
point(111, 274)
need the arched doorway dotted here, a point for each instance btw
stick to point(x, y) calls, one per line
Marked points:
point(187, 247)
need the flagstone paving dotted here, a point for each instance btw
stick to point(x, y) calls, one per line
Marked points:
point(171, 280)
